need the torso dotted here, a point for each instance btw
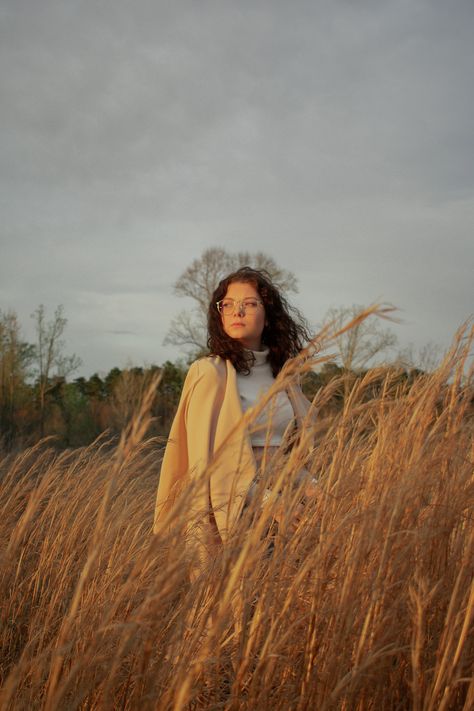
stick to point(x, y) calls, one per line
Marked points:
point(263, 452)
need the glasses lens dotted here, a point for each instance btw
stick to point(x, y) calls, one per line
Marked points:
point(250, 305)
point(227, 306)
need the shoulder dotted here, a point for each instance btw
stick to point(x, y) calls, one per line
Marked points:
point(205, 384)
point(209, 368)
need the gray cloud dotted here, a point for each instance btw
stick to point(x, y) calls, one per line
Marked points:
point(122, 333)
point(335, 136)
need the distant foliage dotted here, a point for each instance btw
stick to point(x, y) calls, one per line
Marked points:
point(38, 397)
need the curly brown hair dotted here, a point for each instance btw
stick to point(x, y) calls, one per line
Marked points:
point(285, 331)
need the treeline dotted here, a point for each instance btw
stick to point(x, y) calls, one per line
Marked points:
point(76, 412)
point(39, 397)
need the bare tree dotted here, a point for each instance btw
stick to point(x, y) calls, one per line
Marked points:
point(199, 281)
point(188, 329)
point(426, 358)
point(128, 393)
point(49, 354)
point(16, 357)
point(363, 342)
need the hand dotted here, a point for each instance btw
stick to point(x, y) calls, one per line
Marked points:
point(291, 521)
point(311, 488)
point(308, 483)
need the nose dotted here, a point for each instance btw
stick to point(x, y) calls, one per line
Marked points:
point(239, 307)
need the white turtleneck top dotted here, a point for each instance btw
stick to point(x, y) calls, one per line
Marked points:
point(269, 428)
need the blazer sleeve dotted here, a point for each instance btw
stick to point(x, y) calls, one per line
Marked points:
point(201, 415)
point(191, 441)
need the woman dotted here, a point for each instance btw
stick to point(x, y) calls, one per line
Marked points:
point(251, 335)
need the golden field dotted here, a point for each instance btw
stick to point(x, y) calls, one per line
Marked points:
point(368, 604)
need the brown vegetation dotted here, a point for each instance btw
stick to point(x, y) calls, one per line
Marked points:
point(369, 605)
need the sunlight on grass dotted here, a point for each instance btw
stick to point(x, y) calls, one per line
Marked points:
point(369, 605)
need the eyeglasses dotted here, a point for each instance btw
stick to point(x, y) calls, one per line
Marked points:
point(227, 306)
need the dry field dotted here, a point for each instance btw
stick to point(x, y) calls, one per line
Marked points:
point(369, 604)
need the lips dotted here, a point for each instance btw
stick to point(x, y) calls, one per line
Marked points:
point(237, 323)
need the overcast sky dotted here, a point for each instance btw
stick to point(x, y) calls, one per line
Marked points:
point(336, 136)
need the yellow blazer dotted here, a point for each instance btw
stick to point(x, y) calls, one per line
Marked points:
point(208, 437)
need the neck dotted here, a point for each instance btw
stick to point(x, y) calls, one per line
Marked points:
point(253, 345)
point(259, 356)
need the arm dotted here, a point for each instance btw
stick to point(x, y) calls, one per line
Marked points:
point(175, 459)
point(191, 439)
point(201, 414)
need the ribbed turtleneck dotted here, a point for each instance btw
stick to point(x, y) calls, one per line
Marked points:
point(279, 412)
point(252, 385)
point(261, 357)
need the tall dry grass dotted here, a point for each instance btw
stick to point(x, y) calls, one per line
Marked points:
point(368, 605)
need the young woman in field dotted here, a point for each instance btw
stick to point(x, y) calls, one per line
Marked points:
point(252, 333)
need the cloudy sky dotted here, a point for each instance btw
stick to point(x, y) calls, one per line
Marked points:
point(336, 136)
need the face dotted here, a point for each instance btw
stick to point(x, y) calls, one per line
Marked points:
point(245, 327)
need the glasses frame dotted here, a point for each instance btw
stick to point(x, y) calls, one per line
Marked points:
point(237, 301)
